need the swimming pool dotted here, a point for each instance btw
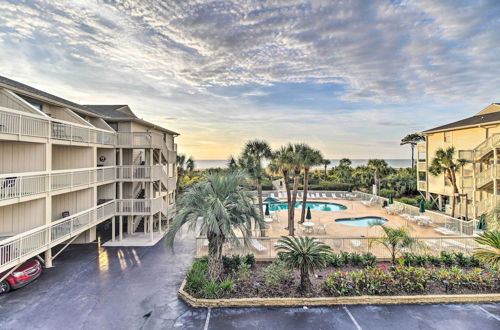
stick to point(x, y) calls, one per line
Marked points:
point(362, 221)
point(315, 206)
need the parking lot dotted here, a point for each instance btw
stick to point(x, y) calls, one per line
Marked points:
point(92, 287)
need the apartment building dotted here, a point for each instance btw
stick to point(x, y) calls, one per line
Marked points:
point(66, 167)
point(477, 140)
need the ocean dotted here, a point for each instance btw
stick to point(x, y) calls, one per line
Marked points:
point(222, 163)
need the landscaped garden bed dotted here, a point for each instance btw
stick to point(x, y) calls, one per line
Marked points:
point(345, 275)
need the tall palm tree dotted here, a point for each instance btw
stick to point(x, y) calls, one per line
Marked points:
point(325, 163)
point(221, 206)
point(445, 163)
point(490, 254)
point(181, 166)
point(378, 167)
point(310, 158)
point(412, 140)
point(282, 163)
point(190, 164)
point(297, 162)
point(305, 254)
point(258, 150)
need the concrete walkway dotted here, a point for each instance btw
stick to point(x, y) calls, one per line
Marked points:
point(92, 287)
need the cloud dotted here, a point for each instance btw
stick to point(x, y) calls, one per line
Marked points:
point(179, 59)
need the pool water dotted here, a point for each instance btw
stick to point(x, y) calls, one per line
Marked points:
point(362, 221)
point(315, 206)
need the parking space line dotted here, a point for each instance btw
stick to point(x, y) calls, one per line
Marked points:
point(352, 318)
point(490, 314)
point(208, 319)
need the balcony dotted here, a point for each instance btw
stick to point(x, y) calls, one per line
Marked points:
point(26, 184)
point(21, 247)
point(487, 176)
point(467, 155)
point(486, 205)
point(486, 146)
point(18, 124)
point(139, 206)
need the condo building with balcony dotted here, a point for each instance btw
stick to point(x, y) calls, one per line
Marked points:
point(65, 168)
point(477, 141)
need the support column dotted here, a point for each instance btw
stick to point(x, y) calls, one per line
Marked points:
point(48, 258)
point(121, 227)
point(151, 228)
point(113, 229)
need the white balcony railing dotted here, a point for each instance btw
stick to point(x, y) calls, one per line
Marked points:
point(487, 175)
point(26, 124)
point(18, 248)
point(487, 145)
point(25, 184)
point(139, 206)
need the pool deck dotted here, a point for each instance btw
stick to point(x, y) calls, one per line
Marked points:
point(355, 209)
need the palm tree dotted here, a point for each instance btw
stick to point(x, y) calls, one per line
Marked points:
point(258, 150)
point(222, 206)
point(325, 163)
point(395, 240)
point(181, 164)
point(232, 164)
point(378, 167)
point(490, 254)
point(444, 163)
point(282, 163)
point(310, 158)
point(412, 140)
point(297, 162)
point(306, 254)
point(190, 165)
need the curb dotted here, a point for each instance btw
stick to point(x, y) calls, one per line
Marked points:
point(330, 301)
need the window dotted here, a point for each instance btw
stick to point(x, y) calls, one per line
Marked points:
point(447, 137)
point(113, 125)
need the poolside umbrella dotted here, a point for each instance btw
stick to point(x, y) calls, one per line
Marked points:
point(271, 200)
point(422, 206)
point(391, 201)
point(308, 215)
point(267, 210)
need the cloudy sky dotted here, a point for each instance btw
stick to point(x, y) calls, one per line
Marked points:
point(348, 77)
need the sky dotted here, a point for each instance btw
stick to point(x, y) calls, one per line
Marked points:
point(350, 78)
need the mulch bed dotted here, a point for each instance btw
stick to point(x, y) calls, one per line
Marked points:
point(255, 286)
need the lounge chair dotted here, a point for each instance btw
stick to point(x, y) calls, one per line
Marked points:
point(272, 195)
point(334, 196)
point(368, 203)
point(321, 228)
point(317, 195)
point(257, 246)
point(323, 195)
point(445, 231)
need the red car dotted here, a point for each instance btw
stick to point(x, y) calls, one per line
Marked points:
point(24, 274)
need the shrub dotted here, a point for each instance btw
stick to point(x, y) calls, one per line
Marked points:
point(277, 273)
point(411, 259)
point(435, 260)
point(197, 276)
point(249, 259)
point(411, 279)
point(387, 192)
point(335, 260)
point(345, 258)
point(231, 263)
point(243, 272)
point(448, 258)
point(226, 286)
point(369, 259)
point(409, 201)
point(356, 259)
point(331, 186)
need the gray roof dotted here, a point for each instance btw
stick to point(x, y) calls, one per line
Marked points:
point(471, 121)
point(110, 111)
point(30, 90)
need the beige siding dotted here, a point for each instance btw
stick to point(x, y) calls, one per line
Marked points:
point(68, 157)
point(8, 100)
point(22, 217)
point(16, 157)
point(108, 154)
point(73, 202)
point(107, 191)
